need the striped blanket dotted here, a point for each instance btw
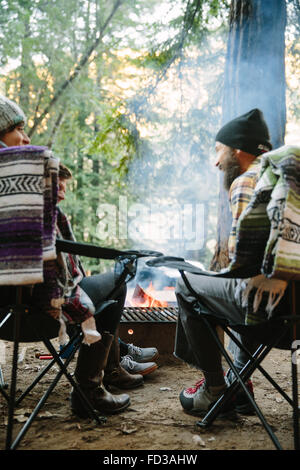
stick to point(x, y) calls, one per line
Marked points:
point(268, 233)
point(28, 194)
point(268, 230)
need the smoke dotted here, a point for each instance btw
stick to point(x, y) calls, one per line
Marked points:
point(174, 182)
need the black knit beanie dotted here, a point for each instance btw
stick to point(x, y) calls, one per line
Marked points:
point(248, 132)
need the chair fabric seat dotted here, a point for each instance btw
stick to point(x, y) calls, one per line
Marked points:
point(33, 324)
point(266, 331)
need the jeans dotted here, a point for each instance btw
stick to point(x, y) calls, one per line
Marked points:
point(220, 299)
point(98, 287)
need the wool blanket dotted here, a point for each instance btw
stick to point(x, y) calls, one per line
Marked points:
point(28, 195)
point(268, 231)
point(267, 251)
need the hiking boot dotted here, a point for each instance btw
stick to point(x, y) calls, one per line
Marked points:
point(120, 378)
point(142, 355)
point(115, 375)
point(241, 401)
point(198, 400)
point(136, 368)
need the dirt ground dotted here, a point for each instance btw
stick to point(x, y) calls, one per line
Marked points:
point(154, 421)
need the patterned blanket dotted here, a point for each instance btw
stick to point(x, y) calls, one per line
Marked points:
point(268, 231)
point(28, 194)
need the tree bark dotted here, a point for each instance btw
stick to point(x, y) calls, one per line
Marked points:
point(254, 78)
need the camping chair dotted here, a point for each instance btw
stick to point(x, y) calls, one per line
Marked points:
point(278, 332)
point(266, 243)
point(19, 322)
point(28, 214)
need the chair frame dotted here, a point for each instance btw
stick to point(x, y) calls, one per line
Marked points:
point(11, 397)
point(254, 362)
point(68, 246)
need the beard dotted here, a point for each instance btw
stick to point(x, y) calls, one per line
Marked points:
point(231, 169)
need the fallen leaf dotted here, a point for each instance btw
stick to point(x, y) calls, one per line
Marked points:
point(199, 441)
point(126, 430)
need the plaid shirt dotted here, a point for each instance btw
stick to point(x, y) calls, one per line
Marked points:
point(74, 309)
point(240, 193)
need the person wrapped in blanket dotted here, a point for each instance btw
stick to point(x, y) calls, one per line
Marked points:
point(239, 147)
point(98, 363)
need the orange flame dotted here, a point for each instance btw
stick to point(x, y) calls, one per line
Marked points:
point(146, 298)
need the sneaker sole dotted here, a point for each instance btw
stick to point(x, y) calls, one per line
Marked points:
point(151, 359)
point(147, 371)
point(202, 413)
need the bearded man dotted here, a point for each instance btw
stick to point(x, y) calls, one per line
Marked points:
point(239, 146)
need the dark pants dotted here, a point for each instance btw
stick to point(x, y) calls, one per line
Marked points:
point(220, 299)
point(98, 287)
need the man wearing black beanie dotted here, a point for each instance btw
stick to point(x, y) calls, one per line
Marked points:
point(239, 146)
point(248, 132)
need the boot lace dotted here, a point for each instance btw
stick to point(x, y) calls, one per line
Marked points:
point(127, 362)
point(192, 390)
point(134, 350)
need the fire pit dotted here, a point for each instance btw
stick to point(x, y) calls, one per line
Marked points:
point(150, 326)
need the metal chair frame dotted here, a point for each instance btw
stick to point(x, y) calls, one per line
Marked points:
point(254, 362)
point(13, 402)
point(128, 272)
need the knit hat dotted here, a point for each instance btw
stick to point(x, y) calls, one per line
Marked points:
point(10, 114)
point(248, 132)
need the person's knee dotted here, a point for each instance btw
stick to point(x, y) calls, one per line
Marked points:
point(180, 286)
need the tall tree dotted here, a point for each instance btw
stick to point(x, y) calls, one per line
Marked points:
point(254, 78)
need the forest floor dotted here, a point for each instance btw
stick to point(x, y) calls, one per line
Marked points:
point(155, 420)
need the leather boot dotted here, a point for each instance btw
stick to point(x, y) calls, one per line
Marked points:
point(89, 374)
point(114, 374)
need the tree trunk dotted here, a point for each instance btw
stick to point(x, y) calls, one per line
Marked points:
point(254, 78)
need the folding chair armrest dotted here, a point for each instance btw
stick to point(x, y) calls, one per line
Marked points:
point(183, 266)
point(95, 251)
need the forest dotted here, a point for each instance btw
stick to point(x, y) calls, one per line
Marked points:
point(129, 94)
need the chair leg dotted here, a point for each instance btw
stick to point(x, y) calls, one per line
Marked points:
point(12, 395)
point(214, 411)
point(87, 404)
point(294, 347)
point(47, 368)
point(296, 414)
point(63, 371)
point(37, 409)
point(258, 366)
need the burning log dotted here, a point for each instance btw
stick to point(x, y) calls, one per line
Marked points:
point(143, 298)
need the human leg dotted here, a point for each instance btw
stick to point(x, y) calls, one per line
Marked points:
point(217, 298)
point(91, 362)
point(99, 287)
point(89, 371)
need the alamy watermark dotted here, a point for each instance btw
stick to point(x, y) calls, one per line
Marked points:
point(165, 222)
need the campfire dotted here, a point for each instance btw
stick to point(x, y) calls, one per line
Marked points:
point(150, 315)
point(150, 297)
